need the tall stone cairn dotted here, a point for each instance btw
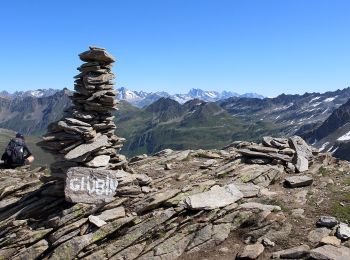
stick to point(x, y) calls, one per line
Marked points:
point(85, 135)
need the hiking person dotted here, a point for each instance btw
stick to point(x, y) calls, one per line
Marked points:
point(17, 153)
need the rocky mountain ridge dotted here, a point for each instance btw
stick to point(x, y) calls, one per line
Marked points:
point(38, 93)
point(35, 114)
point(142, 99)
point(217, 204)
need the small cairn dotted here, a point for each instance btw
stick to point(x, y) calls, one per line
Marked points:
point(85, 135)
point(293, 152)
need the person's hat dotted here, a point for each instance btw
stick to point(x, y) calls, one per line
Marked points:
point(19, 135)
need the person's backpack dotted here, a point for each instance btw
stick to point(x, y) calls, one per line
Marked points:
point(15, 153)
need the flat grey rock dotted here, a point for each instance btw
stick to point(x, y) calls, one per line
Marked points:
point(298, 181)
point(329, 252)
point(300, 146)
point(262, 149)
point(112, 214)
point(249, 190)
point(217, 197)
point(297, 252)
point(258, 160)
point(99, 161)
point(85, 148)
point(302, 164)
point(260, 206)
point(96, 221)
point(74, 121)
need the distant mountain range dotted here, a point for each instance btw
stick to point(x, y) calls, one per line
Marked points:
point(39, 93)
point(143, 99)
point(167, 123)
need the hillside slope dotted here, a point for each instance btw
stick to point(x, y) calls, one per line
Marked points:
point(333, 135)
point(288, 113)
point(31, 115)
point(195, 124)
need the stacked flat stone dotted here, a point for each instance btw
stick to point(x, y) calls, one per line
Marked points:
point(85, 135)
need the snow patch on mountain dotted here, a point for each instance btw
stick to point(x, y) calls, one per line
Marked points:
point(314, 99)
point(38, 93)
point(323, 147)
point(344, 137)
point(330, 99)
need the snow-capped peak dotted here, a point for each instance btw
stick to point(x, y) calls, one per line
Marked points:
point(142, 98)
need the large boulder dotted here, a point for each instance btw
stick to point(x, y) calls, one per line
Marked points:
point(91, 186)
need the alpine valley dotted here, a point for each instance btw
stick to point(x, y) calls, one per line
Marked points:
point(200, 119)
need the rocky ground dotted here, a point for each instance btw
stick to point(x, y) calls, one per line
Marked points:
point(278, 199)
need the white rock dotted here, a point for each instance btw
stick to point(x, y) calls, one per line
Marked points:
point(302, 164)
point(99, 161)
point(268, 243)
point(145, 189)
point(97, 221)
point(343, 231)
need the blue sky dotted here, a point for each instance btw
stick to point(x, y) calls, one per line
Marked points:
point(264, 46)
